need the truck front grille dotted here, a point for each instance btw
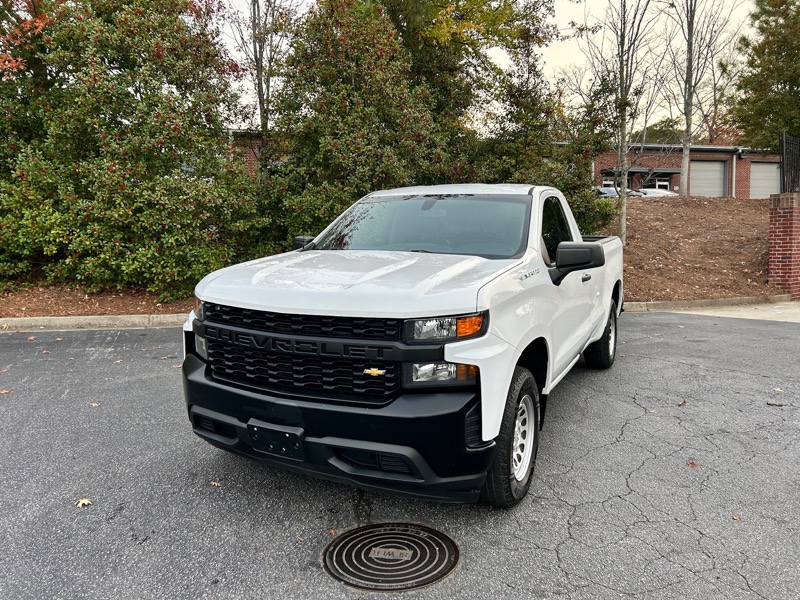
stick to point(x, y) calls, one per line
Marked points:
point(310, 325)
point(329, 378)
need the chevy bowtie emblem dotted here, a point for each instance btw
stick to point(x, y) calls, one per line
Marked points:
point(374, 372)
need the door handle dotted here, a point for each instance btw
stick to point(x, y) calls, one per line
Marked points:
point(586, 277)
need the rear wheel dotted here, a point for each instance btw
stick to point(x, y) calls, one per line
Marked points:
point(600, 354)
point(509, 477)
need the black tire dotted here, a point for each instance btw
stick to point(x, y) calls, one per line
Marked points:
point(600, 354)
point(504, 485)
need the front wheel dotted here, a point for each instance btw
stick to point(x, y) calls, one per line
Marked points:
point(509, 477)
point(600, 354)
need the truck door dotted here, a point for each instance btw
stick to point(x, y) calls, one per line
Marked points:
point(574, 297)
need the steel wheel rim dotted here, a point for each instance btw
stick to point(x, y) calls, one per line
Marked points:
point(612, 335)
point(522, 446)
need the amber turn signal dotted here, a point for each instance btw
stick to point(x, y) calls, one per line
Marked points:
point(467, 326)
point(466, 372)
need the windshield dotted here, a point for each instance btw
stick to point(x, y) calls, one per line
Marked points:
point(487, 226)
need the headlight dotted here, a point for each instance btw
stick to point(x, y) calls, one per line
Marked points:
point(199, 309)
point(438, 373)
point(200, 344)
point(446, 329)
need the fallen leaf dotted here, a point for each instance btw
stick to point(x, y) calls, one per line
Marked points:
point(59, 339)
point(683, 402)
point(692, 463)
point(332, 531)
point(31, 338)
point(216, 484)
point(6, 391)
point(45, 351)
point(736, 517)
point(176, 366)
point(779, 390)
point(116, 362)
point(300, 538)
point(94, 404)
point(83, 502)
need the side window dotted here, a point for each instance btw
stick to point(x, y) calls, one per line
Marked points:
point(555, 229)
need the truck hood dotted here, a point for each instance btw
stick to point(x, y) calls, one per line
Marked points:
point(355, 283)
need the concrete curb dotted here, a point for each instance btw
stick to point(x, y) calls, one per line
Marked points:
point(92, 322)
point(667, 305)
point(172, 320)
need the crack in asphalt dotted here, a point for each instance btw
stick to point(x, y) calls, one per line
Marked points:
point(709, 473)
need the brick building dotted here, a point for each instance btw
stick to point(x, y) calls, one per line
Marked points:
point(724, 171)
point(248, 143)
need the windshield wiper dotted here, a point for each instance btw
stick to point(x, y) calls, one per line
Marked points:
point(420, 250)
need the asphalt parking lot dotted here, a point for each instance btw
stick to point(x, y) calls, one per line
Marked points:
point(673, 475)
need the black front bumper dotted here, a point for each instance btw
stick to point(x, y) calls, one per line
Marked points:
point(418, 445)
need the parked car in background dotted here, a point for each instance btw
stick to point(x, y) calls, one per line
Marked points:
point(610, 192)
point(656, 192)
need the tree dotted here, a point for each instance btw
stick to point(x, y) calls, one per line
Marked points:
point(451, 46)
point(350, 118)
point(535, 138)
point(262, 36)
point(770, 84)
point(116, 168)
point(447, 43)
point(714, 94)
point(623, 59)
point(22, 73)
point(523, 120)
point(700, 26)
point(21, 21)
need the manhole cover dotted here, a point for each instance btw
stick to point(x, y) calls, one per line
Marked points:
point(391, 556)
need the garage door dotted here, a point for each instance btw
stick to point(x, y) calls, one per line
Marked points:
point(708, 178)
point(765, 179)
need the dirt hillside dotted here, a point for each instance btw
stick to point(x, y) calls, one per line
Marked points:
point(696, 248)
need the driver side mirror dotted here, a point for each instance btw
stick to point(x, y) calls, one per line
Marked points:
point(576, 256)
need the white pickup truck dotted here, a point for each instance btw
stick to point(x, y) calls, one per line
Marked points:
point(411, 345)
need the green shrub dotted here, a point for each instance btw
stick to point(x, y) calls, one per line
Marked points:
point(119, 170)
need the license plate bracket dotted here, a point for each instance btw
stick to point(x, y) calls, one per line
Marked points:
point(278, 440)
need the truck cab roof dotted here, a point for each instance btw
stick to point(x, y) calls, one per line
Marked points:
point(483, 189)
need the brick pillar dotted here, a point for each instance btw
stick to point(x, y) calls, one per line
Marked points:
point(784, 243)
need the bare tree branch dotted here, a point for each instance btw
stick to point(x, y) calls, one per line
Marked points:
point(262, 36)
point(623, 53)
point(702, 27)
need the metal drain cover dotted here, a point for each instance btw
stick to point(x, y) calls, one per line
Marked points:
point(391, 556)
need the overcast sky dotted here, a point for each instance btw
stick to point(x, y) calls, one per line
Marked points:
point(561, 54)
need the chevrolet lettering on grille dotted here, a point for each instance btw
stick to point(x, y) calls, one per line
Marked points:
point(297, 346)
